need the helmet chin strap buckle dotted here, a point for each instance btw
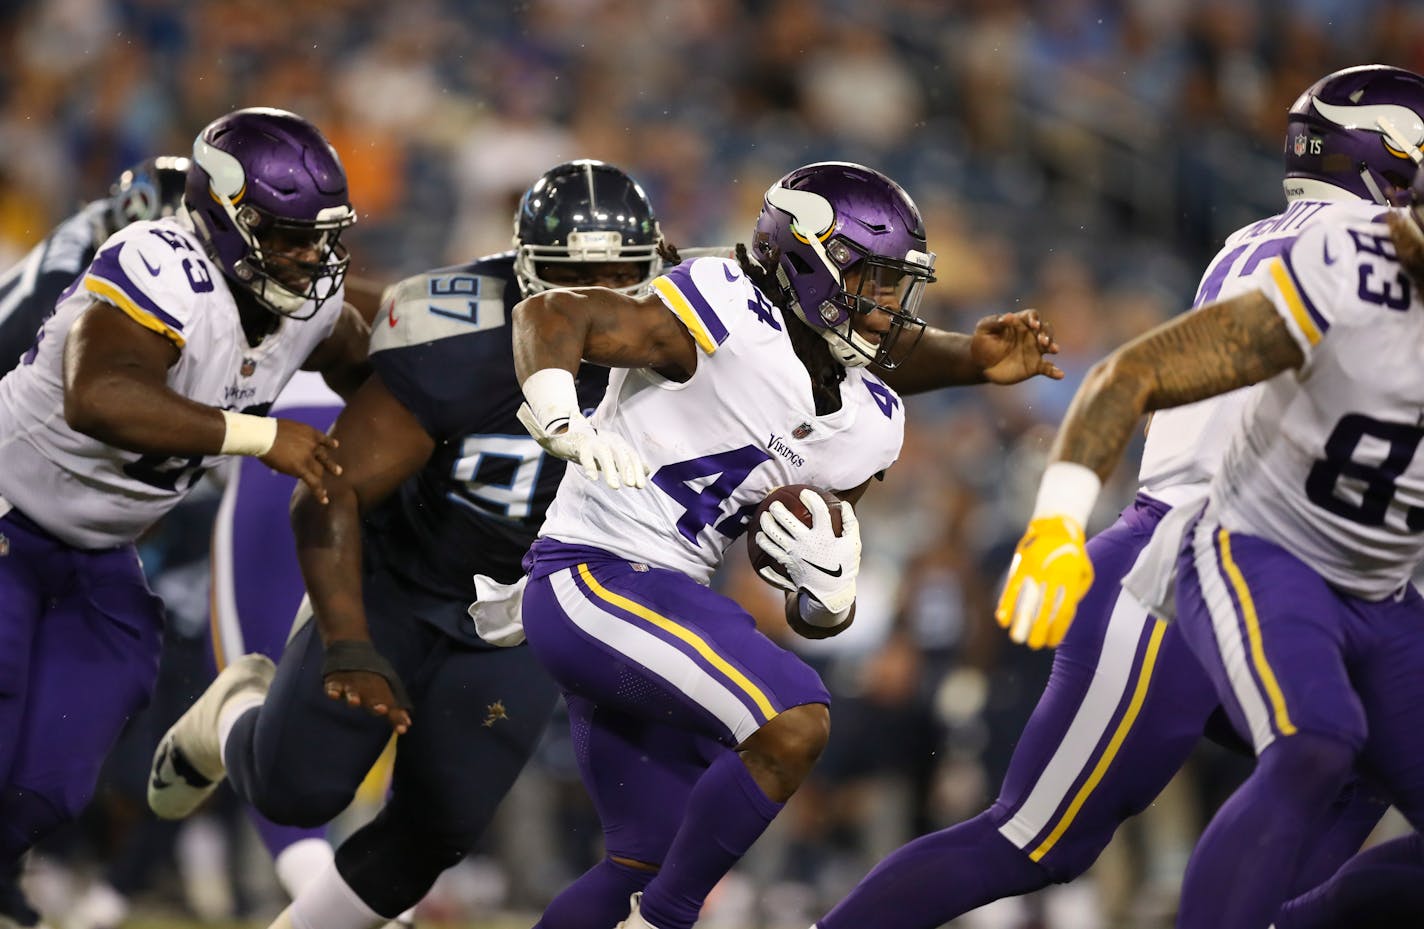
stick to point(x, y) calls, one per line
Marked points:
point(849, 348)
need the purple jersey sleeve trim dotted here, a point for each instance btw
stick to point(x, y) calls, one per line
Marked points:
point(106, 267)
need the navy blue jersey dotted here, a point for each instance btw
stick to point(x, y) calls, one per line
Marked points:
point(30, 289)
point(443, 348)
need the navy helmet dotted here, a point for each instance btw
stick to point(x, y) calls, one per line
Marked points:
point(585, 211)
point(267, 196)
point(151, 189)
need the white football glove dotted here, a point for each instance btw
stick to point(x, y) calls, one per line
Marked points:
point(594, 451)
point(812, 558)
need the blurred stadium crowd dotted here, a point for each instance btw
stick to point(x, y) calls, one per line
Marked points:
point(1081, 157)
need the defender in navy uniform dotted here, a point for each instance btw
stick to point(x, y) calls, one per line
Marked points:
point(29, 290)
point(441, 482)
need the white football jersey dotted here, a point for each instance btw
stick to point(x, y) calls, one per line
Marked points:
point(92, 495)
point(1185, 444)
point(742, 425)
point(1325, 462)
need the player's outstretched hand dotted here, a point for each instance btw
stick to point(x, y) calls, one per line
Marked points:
point(354, 671)
point(303, 453)
point(369, 690)
point(1011, 347)
point(1050, 573)
point(598, 453)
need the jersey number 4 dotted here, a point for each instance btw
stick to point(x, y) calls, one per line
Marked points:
point(1368, 489)
point(703, 485)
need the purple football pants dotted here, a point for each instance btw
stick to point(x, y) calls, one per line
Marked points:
point(1124, 706)
point(1319, 682)
point(79, 641)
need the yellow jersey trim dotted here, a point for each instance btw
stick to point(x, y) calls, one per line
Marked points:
point(684, 311)
point(111, 294)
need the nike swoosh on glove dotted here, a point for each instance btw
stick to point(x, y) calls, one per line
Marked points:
point(1050, 573)
point(812, 558)
point(596, 452)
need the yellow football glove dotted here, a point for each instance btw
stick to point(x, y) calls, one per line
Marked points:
point(1050, 573)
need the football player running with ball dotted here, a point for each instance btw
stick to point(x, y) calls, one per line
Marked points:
point(734, 377)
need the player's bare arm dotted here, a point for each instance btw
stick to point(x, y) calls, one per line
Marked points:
point(380, 444)
point(342, 356)
point(1003, 349)
point(558, 329)
point(1217, 349)
point(116, 390)
point(364, 294)
point(1212, 351)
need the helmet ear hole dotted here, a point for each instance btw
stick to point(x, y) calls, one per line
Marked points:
point(799, 264)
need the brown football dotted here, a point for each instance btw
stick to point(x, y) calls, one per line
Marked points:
point(790, 496)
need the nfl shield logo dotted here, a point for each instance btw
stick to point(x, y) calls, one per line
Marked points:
point(801, 431)
point(248, 366)
point(4, 546)
point(1300, 145)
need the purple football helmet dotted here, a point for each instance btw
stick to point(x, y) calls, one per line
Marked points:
point(267, 195)
point(1344, 135)
point(827, 224)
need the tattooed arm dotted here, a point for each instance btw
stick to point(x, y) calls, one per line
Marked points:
point(1214, 350)
point(1219, 348)
point(560, 328)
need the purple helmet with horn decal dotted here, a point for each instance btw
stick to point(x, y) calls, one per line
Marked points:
point(843, 240)
point(1343, 135)
point(267, 195)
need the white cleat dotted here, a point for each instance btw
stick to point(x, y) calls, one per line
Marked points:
point(635, 919)
point(188, 765)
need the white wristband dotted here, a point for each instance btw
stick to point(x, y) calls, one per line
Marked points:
point(1068, 489)
point(552, 397)
point(814, 613)
point(247, 434)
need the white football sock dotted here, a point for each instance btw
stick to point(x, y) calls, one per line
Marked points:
point(230, 713)
point(328, 902)
point(301, 862)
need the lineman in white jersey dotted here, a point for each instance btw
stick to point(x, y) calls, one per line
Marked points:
point(738, 376)
point(135, 385)
point(1127, 702)
point(1294, 585)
